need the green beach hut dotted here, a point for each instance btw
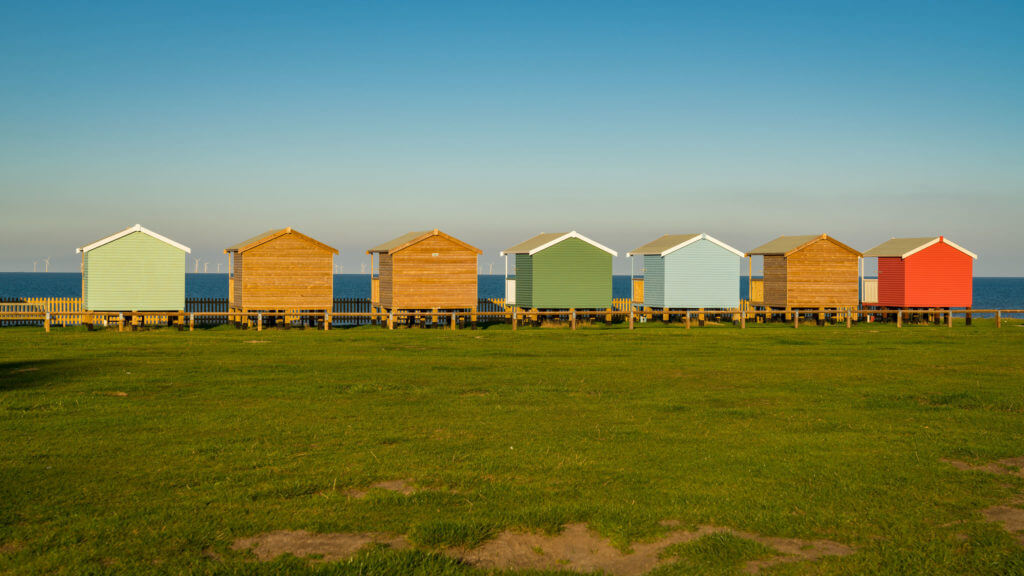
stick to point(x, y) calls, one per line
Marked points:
point(559, 271)
point(690, 271)
point(133, 270)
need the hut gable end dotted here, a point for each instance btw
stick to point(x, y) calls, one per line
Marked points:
point(427, 270)
point(823, 273)
point(282, 270)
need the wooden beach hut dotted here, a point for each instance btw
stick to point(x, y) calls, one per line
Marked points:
point(690, 271)
point(561, 270)
point(281, 270)
point(809, 272)
point(135, 270)
point(930, 272)
point(426, 270)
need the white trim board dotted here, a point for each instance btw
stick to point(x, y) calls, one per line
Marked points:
point(703, 237)
point(944, 241)
point(573, 234)
point(132, 230)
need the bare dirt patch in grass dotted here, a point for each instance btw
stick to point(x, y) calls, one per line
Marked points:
point(112, 393)
point(578, 549)
point(319, 547)
point(1010, 517)
point(1012, 466)
point(257, 341)
point(401, 486)
point(10, 547)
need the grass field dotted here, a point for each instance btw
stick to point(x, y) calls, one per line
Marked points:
point(155, 452)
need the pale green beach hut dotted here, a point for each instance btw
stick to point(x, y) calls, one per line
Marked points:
point(133, 270)
point(690, 271)
point(560, 270)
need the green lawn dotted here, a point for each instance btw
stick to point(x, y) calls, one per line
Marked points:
point(153, 452)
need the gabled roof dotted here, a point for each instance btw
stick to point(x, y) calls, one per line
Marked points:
point(132, 230)
point(669, 243)
point(272, 234)
point(406, 240)
point(549, 239)
point(786, 245)
point(904, 247)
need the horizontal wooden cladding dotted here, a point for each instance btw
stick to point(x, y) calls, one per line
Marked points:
point(287, 272)
point(822, 274)
point(435, 272)
point(774, 284)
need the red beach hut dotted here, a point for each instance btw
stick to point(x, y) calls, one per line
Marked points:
point(923, 273)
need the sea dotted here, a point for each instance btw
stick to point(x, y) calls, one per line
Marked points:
point(989, 293)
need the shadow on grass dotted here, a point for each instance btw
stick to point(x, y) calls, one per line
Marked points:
point(24, 374)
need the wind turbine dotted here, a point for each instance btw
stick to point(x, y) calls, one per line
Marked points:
point(206, 266)
point(47, 263)
point(362, 267)
point(34, 262)
point(218, 267)
point(197, 259)
point(490, 270)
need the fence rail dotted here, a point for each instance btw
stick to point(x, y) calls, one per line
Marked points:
point(359, 311)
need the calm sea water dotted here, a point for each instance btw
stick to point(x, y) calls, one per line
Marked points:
point(988, 292)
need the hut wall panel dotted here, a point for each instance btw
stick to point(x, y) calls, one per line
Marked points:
point(572, 274)
point(287, 273)
point(822, 275)
point(434, 273)
point(891, 282)
point(236, 286)
point(654, 280)
point(702, 275)
point(384, 282)
point(939, 276)
point(775, 281)
point(524, 280)
point(135, 272)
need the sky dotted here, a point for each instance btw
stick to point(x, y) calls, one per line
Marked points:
point(355, 122)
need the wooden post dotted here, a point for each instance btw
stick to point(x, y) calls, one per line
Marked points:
point(327, 321)
point(259, 321)
point(631, 316)
point(572, 317)
point(391, 319)
point(515, 317)
point(796, 319)
point(789, 314)
point(849, 318)
point(120, 322)
point(999, 318)
point(899, 318)
point(191, 322)
point(700, 317)
point(46, 322)
point(949, 318)
point(433, 315)
point(821, 316)
point(664, 316)
point(967, 316)
point(608, 315)
point(743, 319)
point(455, 322)
point(687, 319)
point(472, 316)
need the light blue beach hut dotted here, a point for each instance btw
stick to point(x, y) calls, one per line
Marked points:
point(690, 271)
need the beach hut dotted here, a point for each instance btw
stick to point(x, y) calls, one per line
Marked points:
point(135, 270)
point(809, 272)
point(426, 270)
point(281, 270)
point(930, 272)
point(559, 271)
point(690, 271)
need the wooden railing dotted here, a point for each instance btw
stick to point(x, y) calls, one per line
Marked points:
point(357, 311)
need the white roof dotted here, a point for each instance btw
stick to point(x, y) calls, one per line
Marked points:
point(132, 230)
point(689, 241)
point(531, 250)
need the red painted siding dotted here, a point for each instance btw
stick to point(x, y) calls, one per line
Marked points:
point(938, 276)
point(892, 290)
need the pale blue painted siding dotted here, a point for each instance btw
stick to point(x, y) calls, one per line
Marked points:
point(654, 281)
point(702, 275)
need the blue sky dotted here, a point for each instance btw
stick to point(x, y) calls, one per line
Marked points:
point(356, 121)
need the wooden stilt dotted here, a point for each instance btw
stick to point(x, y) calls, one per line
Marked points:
point(849, 318)
point(899, 318)
point(630, 316)
point(999, 318)
point(743, 319)
point(687, 319)
point(572, 318)
point(796, 318)
point(191, 322)
point(949, 318)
